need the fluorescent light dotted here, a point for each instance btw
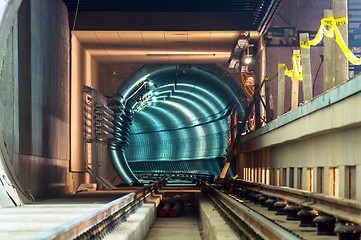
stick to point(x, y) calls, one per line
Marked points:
point(181, 54)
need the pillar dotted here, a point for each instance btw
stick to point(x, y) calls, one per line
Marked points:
point(341, 181)
point(328, 68)
point(281, 91)
point(306, 69)
point(340, 61)
point(358, 180)
point(326, 179)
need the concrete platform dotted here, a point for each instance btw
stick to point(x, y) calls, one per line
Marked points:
point(137, 224)
point(29, 221)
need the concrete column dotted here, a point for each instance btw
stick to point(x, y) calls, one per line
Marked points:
point(358, 180)
point(306, 69)
point(328, 65)
point(295, 85)
point(295, 178)
point(314, 180)
point(341, 181)
point(304, 178)
point(288, 177)
point(340, 61)
point(77, 163)
point(281, 91)
point(326, 179)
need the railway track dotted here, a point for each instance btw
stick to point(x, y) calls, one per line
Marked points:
point(238, 203)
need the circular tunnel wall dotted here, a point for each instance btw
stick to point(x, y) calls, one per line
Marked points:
point(174, 118)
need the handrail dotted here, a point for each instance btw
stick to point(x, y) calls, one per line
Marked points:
point(345, 209)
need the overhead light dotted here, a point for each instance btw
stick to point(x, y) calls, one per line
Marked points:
point(154, 99)
point(242, 43)
point(248, 59)
point(181, 54)
point(156, 93)
point(151, 83)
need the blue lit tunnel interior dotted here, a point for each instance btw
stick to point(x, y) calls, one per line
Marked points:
point(174, 118)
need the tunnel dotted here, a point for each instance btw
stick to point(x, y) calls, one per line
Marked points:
point(143, 118)
point(175, 119)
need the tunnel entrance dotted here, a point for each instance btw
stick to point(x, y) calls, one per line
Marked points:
point(174, 119)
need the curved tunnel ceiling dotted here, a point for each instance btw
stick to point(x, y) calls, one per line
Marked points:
point(178, 117)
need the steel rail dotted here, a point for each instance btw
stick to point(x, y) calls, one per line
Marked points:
point(345, 209)
point(101, 220)
point(264, 227)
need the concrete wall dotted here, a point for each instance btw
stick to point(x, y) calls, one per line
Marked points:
point(35, 95)
point(84, 72)
point(42, 159)
point(314, 147)
point(77, 83)
point(8, 96)
point(111, 76)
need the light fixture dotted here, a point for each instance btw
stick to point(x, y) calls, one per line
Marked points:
point(233, 63)
point(181, 55)
point(154, 99)
point(248, 59)
point(243, 42)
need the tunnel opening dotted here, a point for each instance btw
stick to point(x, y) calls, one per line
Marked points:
point(174, 119)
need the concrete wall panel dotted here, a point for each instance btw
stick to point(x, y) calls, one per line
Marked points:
point(41, 147)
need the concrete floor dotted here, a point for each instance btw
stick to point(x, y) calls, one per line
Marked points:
point(183, 227)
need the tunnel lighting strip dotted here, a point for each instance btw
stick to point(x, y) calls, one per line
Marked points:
point(220, 117)
point(192, 91)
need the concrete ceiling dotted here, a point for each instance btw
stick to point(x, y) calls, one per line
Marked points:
point(166, 31)
point(186, 14)
point(158, 46)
